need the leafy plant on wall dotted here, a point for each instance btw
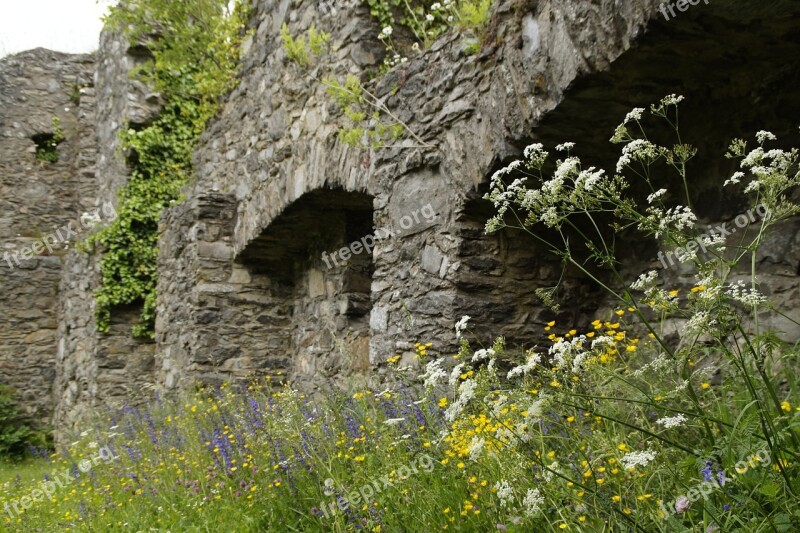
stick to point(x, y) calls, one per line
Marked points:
point(195, 46)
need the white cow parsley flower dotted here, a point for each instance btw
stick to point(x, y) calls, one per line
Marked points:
point(634, 459)
point(482, 354)
point(670, 422)
point(656, 195)
point(461, 325)
point(733, 180)
point(504, 492)
point(750, 297)
point(533, 502)
point(764, 136)
point(533, 360)
point(634, 114)
point(645, 281)
point(476, 448)
point(434, 373)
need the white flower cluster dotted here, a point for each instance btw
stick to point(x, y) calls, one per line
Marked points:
point(535, 154)
point(482, 354)
point(434, 373)
point(750, 297)
point(713, 241)
point(567, 354)
point(773, 170)
point(700, 323)
point(637, 150)
point(588, 179)
point(713, 289)
point(461, 325)
point(603, 341)
point(535, 409)
point(533, 502)
point(548, 474)
point(504, 492)
point(764, 136)
point(634, 459)
point(533, 360)
point(656, 195)
point(670, 422)
point(660, 108)
point(672, 99)
point(634, 114)
point(505, 435)
point(678, 218)
point(466, 391)
point(499, 404)
point(645, 281)
point(455, 373)
point(733, 180)
point(659, 363)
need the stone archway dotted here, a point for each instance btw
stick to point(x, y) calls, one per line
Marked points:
point(315, 260)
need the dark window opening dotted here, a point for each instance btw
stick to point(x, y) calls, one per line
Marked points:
point(47, 146)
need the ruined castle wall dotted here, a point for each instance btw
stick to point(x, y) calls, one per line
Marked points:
point(276, 143)
point(37, 200)
point(247, 285)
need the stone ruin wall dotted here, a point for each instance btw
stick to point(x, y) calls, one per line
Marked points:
point(249, 287)
point(244, 288)
point(37, 199)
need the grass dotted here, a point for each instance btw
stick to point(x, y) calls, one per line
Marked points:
point(521, 455)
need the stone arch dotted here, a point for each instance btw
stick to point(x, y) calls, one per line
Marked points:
point(315, 261)
point(688, 56)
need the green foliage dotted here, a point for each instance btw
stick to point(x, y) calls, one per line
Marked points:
point(367, 124)
point(474, 14)
point(15, 433)
point(196, 53)
point(426, 20)
point(47, 148)
point(302, 49)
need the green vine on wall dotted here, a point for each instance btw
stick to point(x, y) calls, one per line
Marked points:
point(195, 59)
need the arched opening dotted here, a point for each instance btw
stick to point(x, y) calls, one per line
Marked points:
point(759, 59)
point(315, 260)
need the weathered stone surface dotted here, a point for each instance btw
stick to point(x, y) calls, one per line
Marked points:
point(280, 161)
point(37, 199)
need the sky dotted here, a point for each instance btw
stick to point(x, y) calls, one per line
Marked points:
point(61, 25)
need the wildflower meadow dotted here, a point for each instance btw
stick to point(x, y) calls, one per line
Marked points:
point(674, 410)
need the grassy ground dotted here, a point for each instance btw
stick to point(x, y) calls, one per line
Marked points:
point(511, 455)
